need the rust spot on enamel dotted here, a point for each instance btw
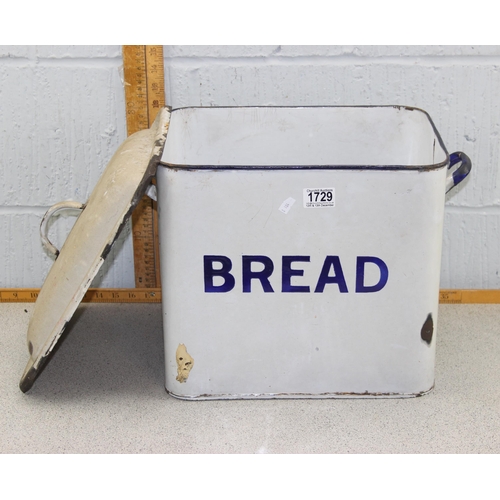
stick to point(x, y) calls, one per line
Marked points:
point(427, 330)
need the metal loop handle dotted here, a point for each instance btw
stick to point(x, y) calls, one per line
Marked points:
point(458, 175)
point(53, 210)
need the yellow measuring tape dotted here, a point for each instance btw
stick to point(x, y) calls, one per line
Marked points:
point(144, 96)
point(155, 295)
point(92, 295)
point(469, 297)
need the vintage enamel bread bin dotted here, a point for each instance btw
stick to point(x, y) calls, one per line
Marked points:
point(300, 250)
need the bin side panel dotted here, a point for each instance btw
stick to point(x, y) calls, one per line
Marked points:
point(271, 297)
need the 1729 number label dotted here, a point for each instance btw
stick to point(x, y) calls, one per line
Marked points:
point(319, 197)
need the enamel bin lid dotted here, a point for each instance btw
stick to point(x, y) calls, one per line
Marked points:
point(120, 188)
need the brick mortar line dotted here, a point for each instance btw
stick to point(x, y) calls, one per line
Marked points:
point(80, 62)
point(263, 61)
point(426, 60)
point(479, 210)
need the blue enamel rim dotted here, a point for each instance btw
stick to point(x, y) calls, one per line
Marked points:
point(434, 166)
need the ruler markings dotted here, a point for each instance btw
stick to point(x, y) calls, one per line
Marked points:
point(145, 96)
point(134, 295)
point(155, 295)
point(469, 296)
point(155, 75)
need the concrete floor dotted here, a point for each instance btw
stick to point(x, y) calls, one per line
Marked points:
point(103, 393)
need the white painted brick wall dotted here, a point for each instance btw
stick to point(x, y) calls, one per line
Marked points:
point(62, 117)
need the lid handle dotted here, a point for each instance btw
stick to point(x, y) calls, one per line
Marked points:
point(53, 210)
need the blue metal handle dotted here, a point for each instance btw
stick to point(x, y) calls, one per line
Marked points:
point(458, 175)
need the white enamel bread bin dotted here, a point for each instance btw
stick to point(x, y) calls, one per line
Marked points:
point(300, 250)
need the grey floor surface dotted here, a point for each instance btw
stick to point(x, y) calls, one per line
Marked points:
point(103, 393)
